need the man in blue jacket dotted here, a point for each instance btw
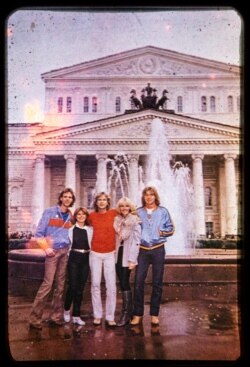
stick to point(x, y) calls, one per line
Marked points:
point(156, 225)
point(53, 230)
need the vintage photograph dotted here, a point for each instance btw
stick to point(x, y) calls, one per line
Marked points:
point(124, 188)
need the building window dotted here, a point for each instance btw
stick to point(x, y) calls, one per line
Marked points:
point(118, 104)
point(179, 104)
point(60, 105)
point(90, 196)
point(210, 229)
point(212, 104)
point(15, 191)
point(15, 196)
point(69, 104)
point(204, 104)
point(238, 103)
point(208, 197)
point(230, 106)
point(86, 104)
point(94, 104)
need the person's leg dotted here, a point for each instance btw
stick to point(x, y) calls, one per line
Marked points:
point(125, 276)
point(110, 280)
point(118, 266)
point(43, 291)
point(140, 276)
point(71, 282)
point(158, 261)
point(95, 261)
point(60, 276)
point(127, 307)
point(80, 281)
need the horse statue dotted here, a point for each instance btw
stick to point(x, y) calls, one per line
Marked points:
point(162, 100)
point(134, 100)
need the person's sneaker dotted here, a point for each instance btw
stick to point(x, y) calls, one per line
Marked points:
point(66, 316)
point(77, 320)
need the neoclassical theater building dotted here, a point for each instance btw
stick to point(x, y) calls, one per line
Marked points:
point(90, 118)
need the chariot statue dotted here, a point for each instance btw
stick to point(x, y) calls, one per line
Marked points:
point(149, 99)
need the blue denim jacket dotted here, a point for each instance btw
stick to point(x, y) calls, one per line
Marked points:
point(153, 224)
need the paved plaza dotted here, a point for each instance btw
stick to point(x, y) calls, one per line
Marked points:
point(200, 328)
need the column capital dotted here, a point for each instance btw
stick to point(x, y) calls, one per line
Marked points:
point(101, 156)
point(40, 158)
point(197, 156)
point(230, 156)
point(70, 157)
point(133, 157)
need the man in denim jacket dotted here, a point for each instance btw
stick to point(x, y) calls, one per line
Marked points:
point(53, 230)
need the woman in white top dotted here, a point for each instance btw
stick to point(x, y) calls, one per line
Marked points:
point(78, 264)
point(128, 236)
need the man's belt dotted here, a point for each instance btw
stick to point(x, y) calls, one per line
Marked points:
point(152, 247)
point(79, 250)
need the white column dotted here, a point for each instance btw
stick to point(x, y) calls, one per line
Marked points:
point(38, 191)
point(101, 175)
point(47, 182)
point(199, 202)
point(133, 178)
point(231, 198)
point(70, 179)
point(222, 199)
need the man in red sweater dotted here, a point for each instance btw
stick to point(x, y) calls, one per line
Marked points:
point(102, 256)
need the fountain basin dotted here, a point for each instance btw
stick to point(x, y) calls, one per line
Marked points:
point(208, 267)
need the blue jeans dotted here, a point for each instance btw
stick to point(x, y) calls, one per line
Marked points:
point(156, 257)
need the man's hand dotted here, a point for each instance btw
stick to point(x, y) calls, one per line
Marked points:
point(49, 252)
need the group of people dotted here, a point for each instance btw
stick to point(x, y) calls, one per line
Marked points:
point(106, 242)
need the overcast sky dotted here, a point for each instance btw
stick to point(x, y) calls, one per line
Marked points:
point(41, 40)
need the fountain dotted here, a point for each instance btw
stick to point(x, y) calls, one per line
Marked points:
point(175, 189)
point(173, 184)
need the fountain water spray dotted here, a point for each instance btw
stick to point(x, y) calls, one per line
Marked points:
point(174, 187)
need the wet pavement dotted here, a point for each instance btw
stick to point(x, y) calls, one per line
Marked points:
point(197, 323)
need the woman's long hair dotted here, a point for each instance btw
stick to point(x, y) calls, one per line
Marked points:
point(126, 201)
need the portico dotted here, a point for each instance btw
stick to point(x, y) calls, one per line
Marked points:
point(212, 153)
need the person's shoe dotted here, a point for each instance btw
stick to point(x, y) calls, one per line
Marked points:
point(155, 320)
point(35, 326)
point(97, 321)
point(66, 315)
point(77, 320)
point(136, 320)
point(110, 323)
point(55, 322)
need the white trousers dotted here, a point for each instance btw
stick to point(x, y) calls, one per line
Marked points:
point(98, 260)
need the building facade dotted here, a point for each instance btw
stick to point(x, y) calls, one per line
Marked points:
point(90, 120)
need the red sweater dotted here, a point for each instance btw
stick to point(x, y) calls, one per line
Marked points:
point(103, 231)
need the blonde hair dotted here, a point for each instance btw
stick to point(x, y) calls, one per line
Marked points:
point(126, 201)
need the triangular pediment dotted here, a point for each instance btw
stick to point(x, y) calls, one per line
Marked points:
point(145, 61)
point(137, 127)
